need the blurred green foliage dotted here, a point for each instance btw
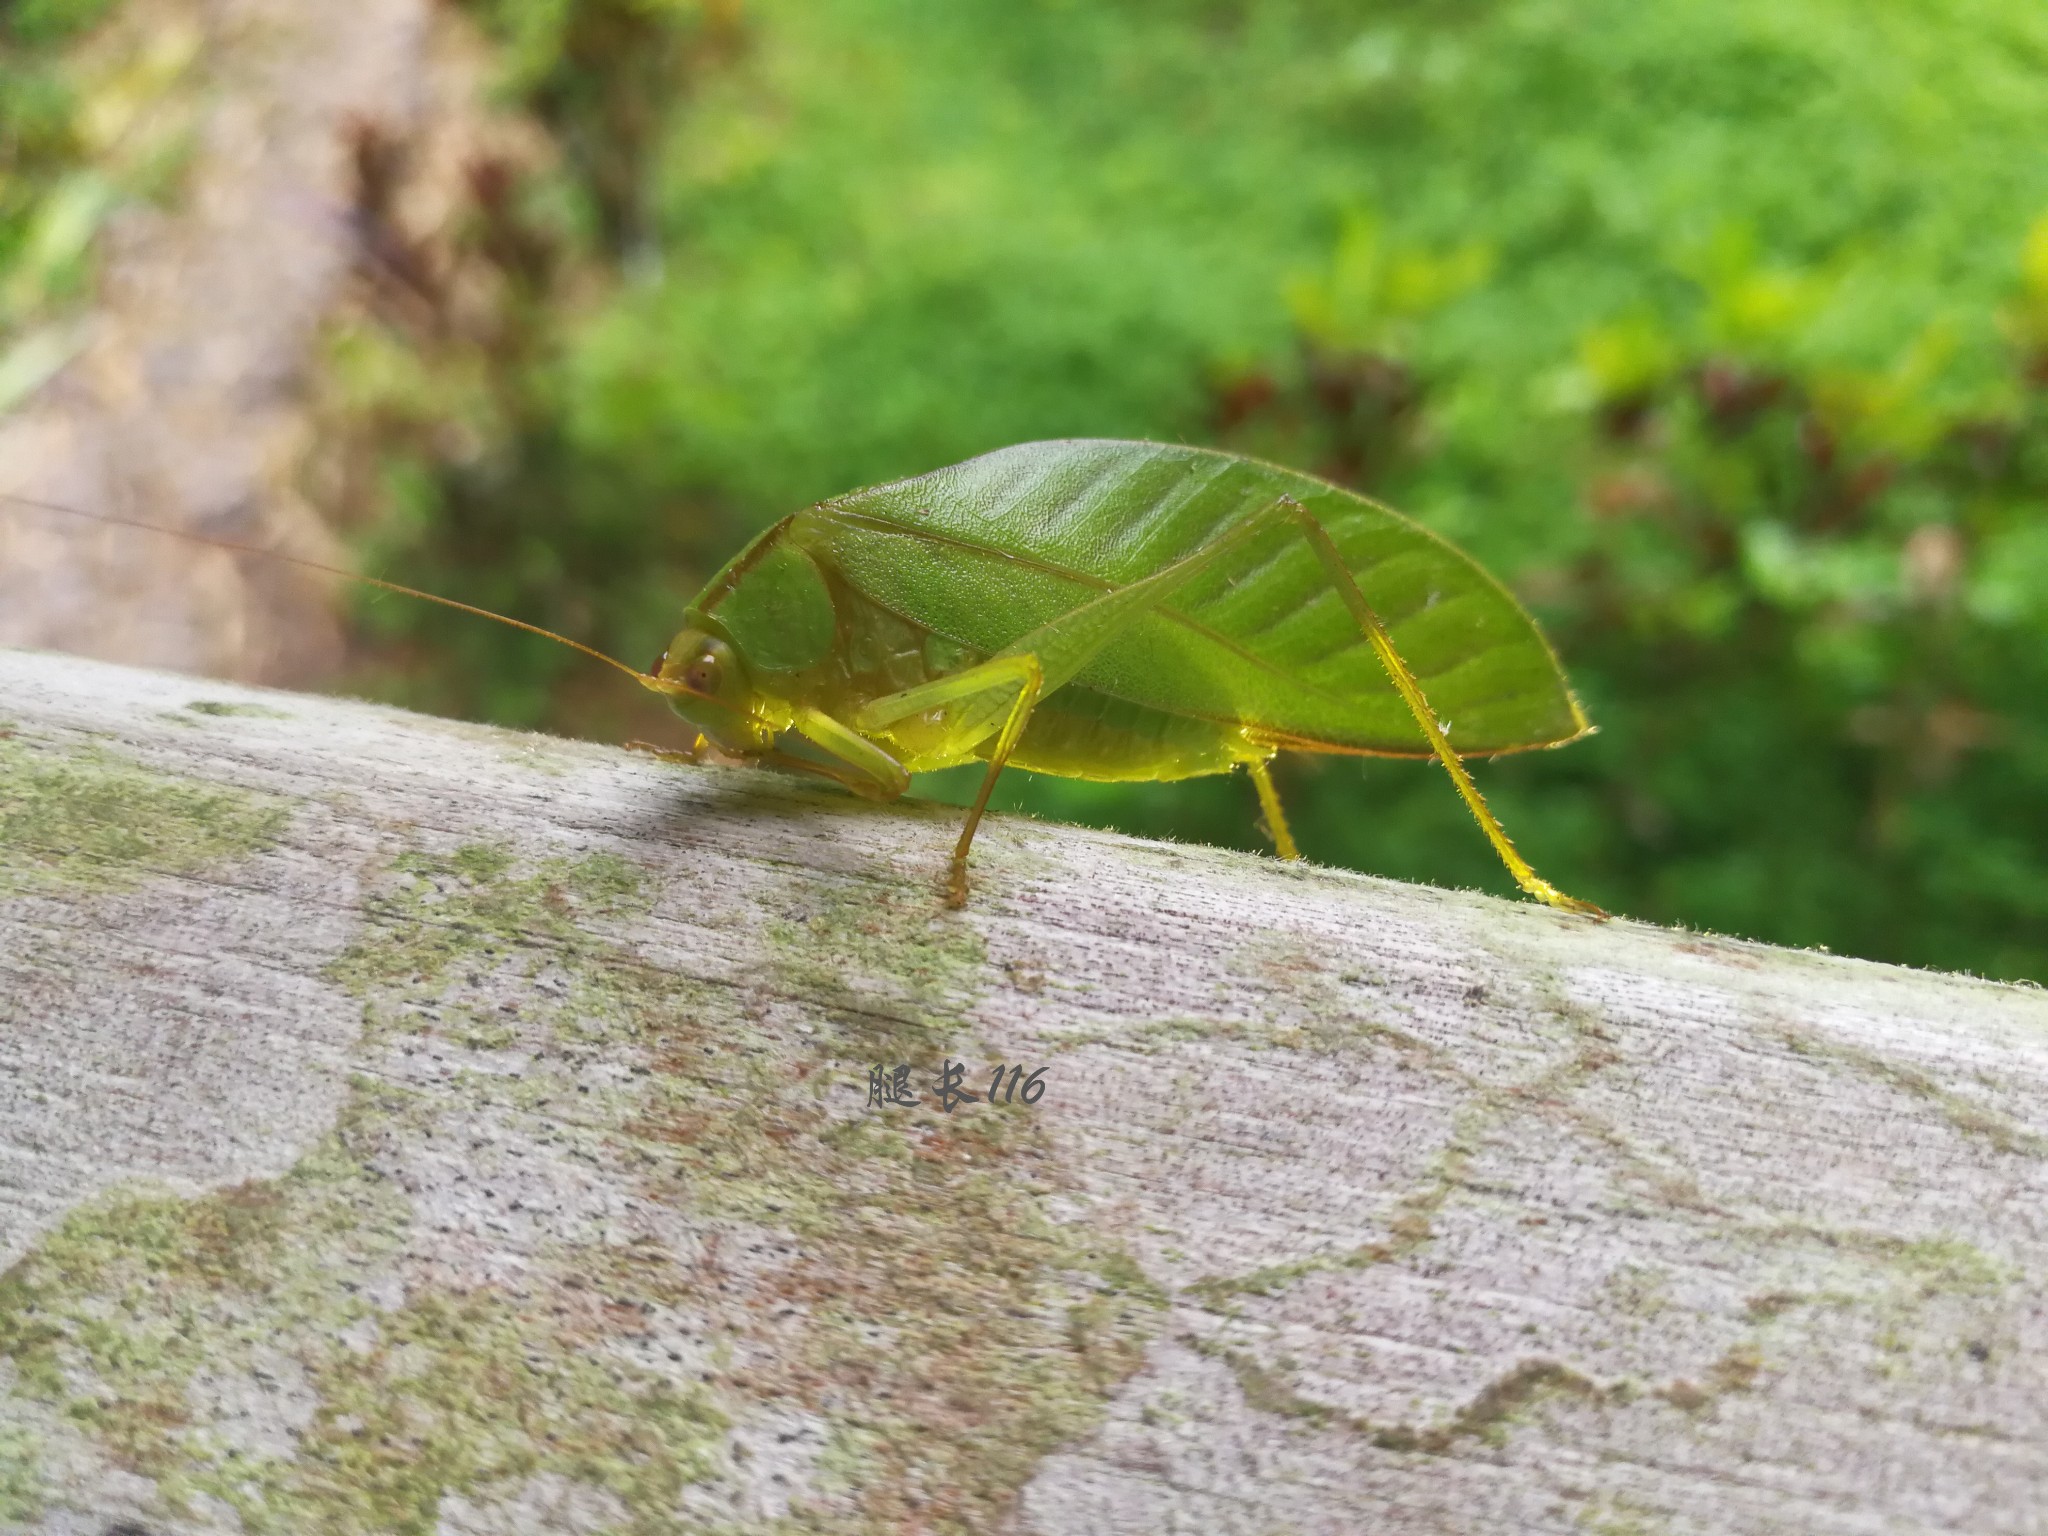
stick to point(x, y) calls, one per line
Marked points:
point(84, 128)
point(1719, 328)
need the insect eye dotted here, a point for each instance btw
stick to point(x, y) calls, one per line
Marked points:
point(704, 675)
point(660, 662)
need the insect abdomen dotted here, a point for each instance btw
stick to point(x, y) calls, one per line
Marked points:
point(1080, 733)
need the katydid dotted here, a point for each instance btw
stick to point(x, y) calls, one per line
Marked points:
point(1111, 611)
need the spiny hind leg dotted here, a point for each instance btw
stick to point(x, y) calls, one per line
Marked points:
point(967, 697)
point(1411, 694)
point(1269, 807)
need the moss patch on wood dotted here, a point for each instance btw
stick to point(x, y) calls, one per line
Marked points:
point(1485, 1418)
point(89, 818)
point(951, 1332)
point(226, 709)
point(129, 1317)
point(892, 970)
point(908, 1293)
point(22, 1495)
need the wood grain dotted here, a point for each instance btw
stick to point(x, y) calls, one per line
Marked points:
point(409, 1126)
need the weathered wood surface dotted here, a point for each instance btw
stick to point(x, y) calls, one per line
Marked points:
point(406, 1126)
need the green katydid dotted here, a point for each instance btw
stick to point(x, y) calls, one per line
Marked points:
point(1111, 611)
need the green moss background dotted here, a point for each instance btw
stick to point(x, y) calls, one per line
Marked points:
point(1719, 328)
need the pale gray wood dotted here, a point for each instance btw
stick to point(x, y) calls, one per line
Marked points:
point(1349, 1206)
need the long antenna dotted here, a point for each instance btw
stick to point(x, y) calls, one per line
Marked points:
point(646, 680)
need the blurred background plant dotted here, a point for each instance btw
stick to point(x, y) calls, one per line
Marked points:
point(90, 120)
point(1718, 328)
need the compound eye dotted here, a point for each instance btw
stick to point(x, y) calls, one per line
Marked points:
point(704, 675)
point(660, 662)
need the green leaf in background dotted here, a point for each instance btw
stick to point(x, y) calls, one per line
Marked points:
point(83, 130)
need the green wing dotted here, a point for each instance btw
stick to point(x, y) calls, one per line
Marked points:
point(986, 550)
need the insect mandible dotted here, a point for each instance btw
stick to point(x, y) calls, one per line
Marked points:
point(1106, 610)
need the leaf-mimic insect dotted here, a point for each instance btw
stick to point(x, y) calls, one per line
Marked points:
point(1111, 611)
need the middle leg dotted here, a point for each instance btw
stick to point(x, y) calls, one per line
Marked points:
point(1006, 687)
point(1269, 806)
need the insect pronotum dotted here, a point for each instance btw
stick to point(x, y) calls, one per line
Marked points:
point(1104, 610)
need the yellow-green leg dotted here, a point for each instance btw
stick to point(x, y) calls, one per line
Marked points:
point(1418, 706)
point(1269, 806)
point(859, 764)
point(1006, 743)
point(695, 754)
point(1005, 688)
point(855, 764)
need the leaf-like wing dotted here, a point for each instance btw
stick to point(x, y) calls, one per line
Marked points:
point(984, 551)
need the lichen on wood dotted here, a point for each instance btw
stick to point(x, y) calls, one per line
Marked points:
point(528, 1175)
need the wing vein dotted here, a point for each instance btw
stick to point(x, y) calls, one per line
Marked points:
point(1230, 645)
